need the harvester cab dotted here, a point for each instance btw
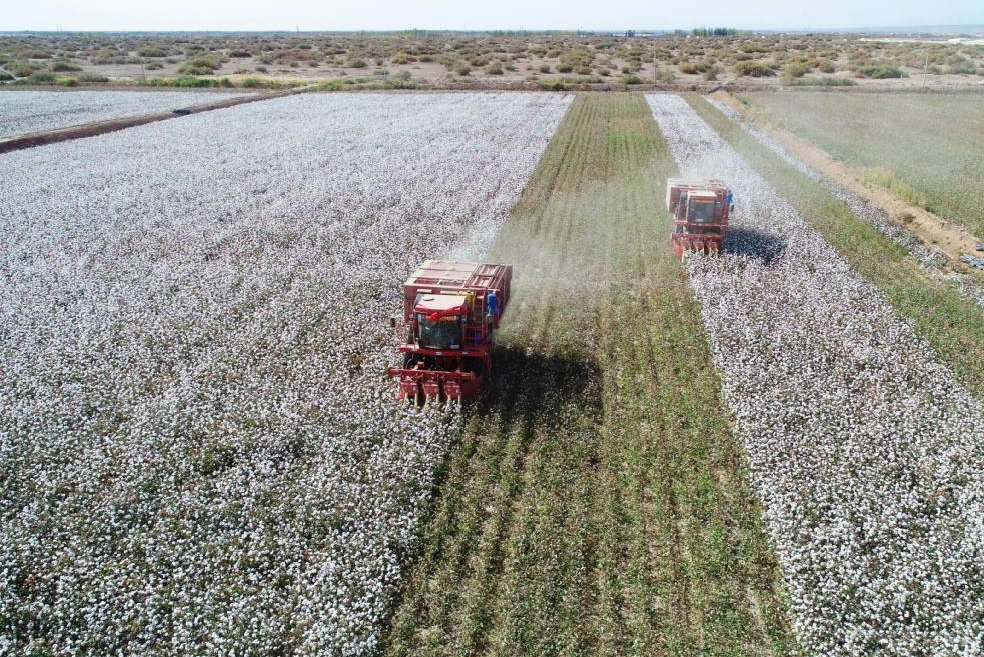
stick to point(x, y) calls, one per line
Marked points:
point(700, 210)
point(451, 311)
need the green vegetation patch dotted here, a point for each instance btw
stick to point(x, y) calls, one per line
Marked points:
point(934, 143)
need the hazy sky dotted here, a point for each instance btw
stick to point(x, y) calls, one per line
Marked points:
point(467, 14)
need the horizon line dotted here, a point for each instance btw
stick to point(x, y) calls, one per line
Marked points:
point(832, 30)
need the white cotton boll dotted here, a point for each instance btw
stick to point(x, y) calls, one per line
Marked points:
point(857, 437)
point(202, 444)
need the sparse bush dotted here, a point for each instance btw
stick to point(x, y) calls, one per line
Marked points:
point(753, 69)
point(240, 54)
point(565, 67)
point(814, 81)
point(199, 66)
point(116, 59)
point(711, 74)
point(154, 66)
point(183, 81)
point(878, 72)
point(494, 69)
point(261, 69)
point(91, 78)
point(5, 77)
point(795, 70)
point(22, 69)
point(463, 70)
point(665, 76)
point(961, 67)
point(41, 77)
point(631, 79)
point(827, 66)
point(152, 52)
point(61, 66)
point(356, 63)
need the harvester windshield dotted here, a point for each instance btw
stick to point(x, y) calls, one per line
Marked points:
point(701, 212)
point(438, 333)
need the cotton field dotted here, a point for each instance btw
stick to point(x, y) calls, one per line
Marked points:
point(863, 448)
point(22, 112)
point(200, 452)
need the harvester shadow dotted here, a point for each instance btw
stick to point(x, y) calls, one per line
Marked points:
point(529, 399)
point(754, 243)
point(530, 386)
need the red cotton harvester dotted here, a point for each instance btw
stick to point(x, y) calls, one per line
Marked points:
point(700, 210)
point(451, 311)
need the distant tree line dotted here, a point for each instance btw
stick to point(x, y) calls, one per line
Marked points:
point(714, 31)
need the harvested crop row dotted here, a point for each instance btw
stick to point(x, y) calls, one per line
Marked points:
point(598, 503)
point(22, 112)
point(199, 450)
point(857, 436)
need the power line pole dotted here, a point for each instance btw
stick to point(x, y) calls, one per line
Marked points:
point(654, 62)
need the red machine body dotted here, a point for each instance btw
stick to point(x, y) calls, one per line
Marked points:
point(700, 210)
point(451, 311)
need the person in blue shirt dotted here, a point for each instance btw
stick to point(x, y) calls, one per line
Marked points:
point(729, 199)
